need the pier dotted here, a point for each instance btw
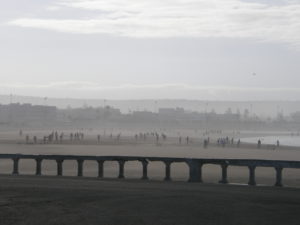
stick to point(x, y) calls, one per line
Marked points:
point(194, 164)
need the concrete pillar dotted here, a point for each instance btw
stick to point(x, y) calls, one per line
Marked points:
point(252, 175)
point(145, 170)
point(195, 170)
point(278, 176)
point(168, 170)
point(224, 174)
point(121, 169)
point(59, 167)
point(80, 167)
point(100, 168)
point(38, 170)
point(16, 166)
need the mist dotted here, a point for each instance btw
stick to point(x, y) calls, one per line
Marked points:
point(135, 112)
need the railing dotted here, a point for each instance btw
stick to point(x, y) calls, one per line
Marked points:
point(194, 164)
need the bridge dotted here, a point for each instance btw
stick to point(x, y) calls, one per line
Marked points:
point(194, 165)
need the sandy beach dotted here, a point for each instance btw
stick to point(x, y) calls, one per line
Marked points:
point(51, 200)
point(127, 146)
point(48, 199)
point(140, 112)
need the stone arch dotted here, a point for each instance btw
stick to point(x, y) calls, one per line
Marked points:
point(179, 171)
point(211, 173)
point(27, 166)
point(156, 170)
point(49, 167)
point(111, 169)
point(238, 174)
point(90, 168)
point(6, 166)
point(133, 169)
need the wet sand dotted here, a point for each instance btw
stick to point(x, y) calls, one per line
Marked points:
point(50, 200)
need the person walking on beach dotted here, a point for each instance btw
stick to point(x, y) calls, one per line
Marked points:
point(223, 142)
point(27, 139)
point(258, 143)
point(205, 143)
point(61, 136)
point(56, 136)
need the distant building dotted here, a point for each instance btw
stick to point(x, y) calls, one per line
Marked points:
point(90, 113)
point(171, 111)
point(143, 114)
point(21, 113)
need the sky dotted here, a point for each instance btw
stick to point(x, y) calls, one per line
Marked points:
point(158, 49)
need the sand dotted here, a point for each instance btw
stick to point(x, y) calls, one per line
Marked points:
point(50, 200)
point(28, 199)
point(12, 143)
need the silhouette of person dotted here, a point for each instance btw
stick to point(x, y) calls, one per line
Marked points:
point(259, 143)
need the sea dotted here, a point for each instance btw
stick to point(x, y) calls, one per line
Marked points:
point(270, 140)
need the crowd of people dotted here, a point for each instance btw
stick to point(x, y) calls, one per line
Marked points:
point(147, 135)
point(56, 137)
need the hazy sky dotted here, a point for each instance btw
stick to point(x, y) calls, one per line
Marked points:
point(129, 49)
